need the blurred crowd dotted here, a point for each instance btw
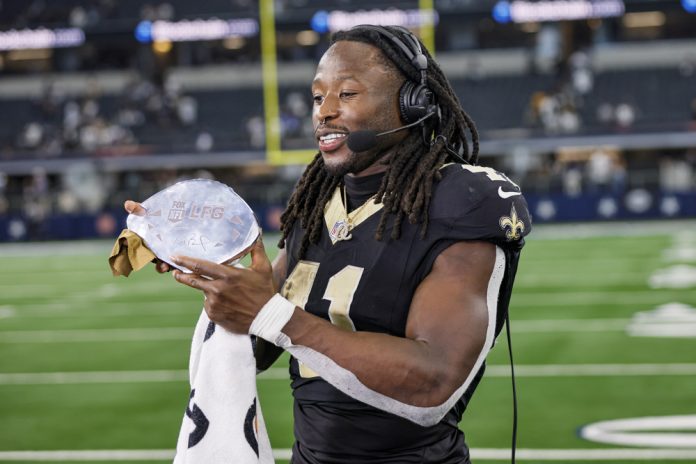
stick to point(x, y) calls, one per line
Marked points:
point(296, 130)
point(81, 190)
point(128, 123)
point(600, 171)
point(559, 91)
point(574, 105)
point(87, 14)
point(94, 124)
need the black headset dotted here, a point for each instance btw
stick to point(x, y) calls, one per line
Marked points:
point(416, 100)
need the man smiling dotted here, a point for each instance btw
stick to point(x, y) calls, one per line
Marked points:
point(397, 260)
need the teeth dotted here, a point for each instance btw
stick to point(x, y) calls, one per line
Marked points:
point(327, 137)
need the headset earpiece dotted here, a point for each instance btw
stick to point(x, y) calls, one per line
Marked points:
point(416, 100)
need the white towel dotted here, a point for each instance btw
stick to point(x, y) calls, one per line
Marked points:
point(223, 421)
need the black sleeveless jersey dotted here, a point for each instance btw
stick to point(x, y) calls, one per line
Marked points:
point(364, 284)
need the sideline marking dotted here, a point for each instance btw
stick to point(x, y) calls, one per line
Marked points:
point(668, 320)
point(678, 276)
point(7, 311)
point(523, 454)
point(281, 373)
point(680, 253)
point(665, 331)
point(656, 432)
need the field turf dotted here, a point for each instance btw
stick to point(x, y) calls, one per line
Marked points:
point(89, 362)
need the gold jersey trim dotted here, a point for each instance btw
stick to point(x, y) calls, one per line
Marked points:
point(340, 223)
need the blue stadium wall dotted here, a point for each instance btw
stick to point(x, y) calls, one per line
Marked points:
point(544, 208)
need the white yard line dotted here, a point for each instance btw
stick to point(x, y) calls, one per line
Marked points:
point(88, 455)
point(677, 228)
point(62, 378)
point(612, 229)
point(58, 248)
point(281, 373)
point(110, 309)
point(104, 308)
point(483, 454)
point(569, 325)
point(607, 297)
point(592, 370)
point(96, 335)
point(684, 327)
point(97, 289)
point(111, 335)
point(569, 279)
point(75, 304)
point(617, 454)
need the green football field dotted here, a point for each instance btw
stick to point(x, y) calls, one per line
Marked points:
point(93, 368)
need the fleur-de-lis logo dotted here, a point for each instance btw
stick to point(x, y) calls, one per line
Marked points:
point(516, 226)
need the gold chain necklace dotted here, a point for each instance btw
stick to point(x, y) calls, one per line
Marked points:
point(343, 227)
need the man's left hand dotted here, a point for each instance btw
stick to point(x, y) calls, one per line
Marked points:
point(233, 296)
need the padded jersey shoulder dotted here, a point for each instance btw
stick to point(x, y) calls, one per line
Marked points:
point(481, 203)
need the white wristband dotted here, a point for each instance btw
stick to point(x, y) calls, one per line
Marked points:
point(269, 322)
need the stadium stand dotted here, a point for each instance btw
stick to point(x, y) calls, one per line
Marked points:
point(144, 118)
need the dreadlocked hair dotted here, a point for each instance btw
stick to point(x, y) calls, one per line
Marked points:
point(406, 188)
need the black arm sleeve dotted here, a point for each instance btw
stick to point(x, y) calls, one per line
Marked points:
point(265, 353)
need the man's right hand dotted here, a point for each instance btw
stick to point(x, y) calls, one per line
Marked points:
point(133, 207)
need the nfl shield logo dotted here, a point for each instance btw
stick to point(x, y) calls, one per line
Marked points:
point(340, 230)
point(176, 212)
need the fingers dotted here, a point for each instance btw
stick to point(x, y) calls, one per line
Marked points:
point(201, 266)
point(239, 256)
point(162, 267)
point(133, 207)
point(192, 280)
point(259, 259)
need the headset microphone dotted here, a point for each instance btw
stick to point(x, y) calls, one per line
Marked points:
point(364, 140)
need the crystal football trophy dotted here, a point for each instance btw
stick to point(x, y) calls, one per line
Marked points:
point(199, 218)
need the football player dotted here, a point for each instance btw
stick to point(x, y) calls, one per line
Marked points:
point(398, 256)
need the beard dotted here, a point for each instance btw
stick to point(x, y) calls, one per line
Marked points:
point(356, 163)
